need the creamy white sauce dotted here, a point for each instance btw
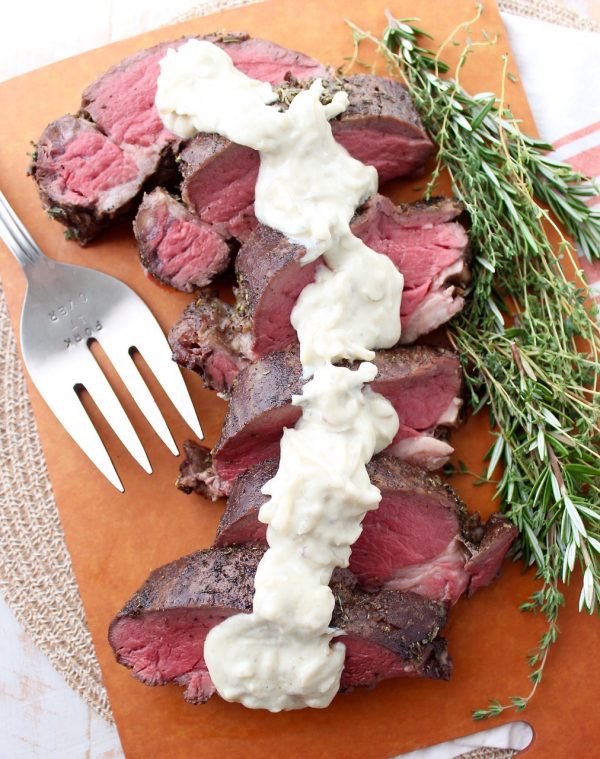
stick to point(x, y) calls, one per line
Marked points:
point(280, 656)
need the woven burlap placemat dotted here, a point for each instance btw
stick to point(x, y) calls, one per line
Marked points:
point(551, 11)
point(36, 576)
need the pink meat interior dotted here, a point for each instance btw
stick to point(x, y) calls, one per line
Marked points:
point(247, 530)
point(268, 62)
point(243, 450)
point(419, 253)
point(406, 529)
point(272, 327)
point(382, 145)
point(89, 166)
point(123, 104)
point(225, 186)
point(160, 646)
point(367, 663)
point(188, 252)
point(420, 402)
point(486, 563)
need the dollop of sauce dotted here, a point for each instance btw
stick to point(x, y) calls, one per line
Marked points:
point(281, 656)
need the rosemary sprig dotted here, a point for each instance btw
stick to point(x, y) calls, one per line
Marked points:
point(525, 322)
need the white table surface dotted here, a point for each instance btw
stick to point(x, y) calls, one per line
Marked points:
point(40, 716)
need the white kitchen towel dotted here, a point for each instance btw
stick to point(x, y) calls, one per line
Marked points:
point(560, 70)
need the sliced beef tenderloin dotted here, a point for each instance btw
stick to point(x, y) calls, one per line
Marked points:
point(422, 383)
point(419, 539)
point(175, 246)
point(121, 103)
point(239, 525)
point(84, 179)
point(429, 247)
point(266, 60)
point(381, 128)
point(423, 240)
point(422, 539)
point(160, 632)
point(270, 280)
point(131, 148)
point(211, 339)
point(219, 178)
point(388, 634)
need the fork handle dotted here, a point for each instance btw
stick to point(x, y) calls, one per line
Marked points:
point(16, 238)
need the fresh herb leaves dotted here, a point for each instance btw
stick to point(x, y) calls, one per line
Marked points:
point(526, 322)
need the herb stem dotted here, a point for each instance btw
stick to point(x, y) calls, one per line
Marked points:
point(521, 333)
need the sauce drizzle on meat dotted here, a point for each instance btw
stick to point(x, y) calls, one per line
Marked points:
point(280, 656)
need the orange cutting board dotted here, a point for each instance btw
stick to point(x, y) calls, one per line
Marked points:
point(116, 540)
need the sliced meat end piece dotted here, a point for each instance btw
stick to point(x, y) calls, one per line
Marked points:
point(420, 382)
point(160, 632)
point(175, 247)
point(211, 339)
point(84, 179)
point(486, 560)
point(137, 642)
point(196, 473)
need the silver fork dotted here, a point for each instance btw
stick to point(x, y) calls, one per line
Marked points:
point(65, 308)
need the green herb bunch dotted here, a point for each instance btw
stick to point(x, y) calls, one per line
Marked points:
point(525, 324)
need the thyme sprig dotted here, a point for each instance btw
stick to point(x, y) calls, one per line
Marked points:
point(521, 333)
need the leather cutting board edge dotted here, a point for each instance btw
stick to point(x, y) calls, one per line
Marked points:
point(149, 719)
